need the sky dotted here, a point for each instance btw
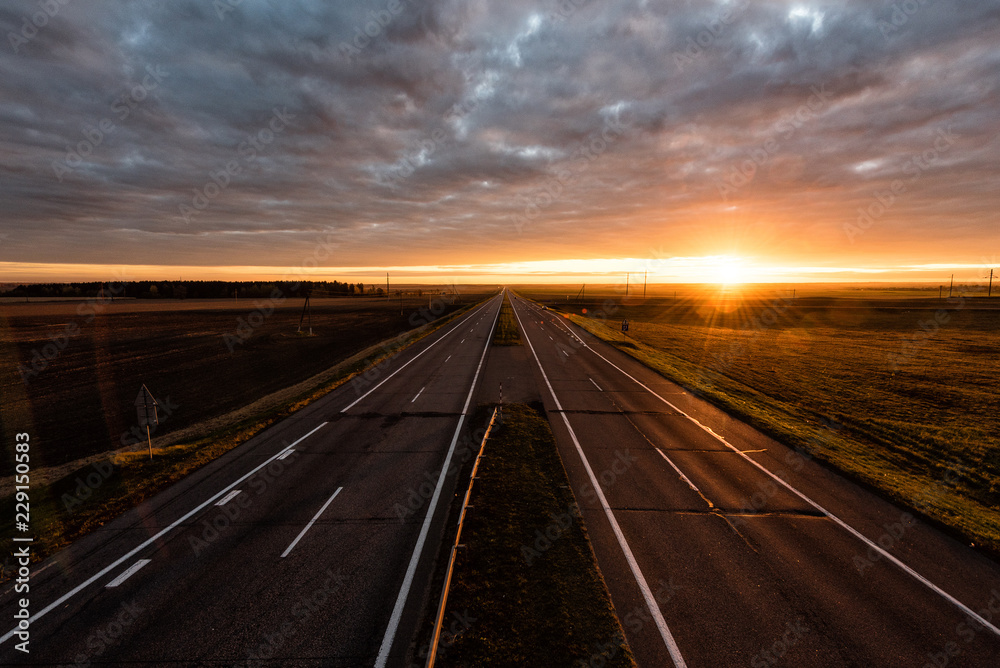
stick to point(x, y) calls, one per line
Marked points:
point(536, 140)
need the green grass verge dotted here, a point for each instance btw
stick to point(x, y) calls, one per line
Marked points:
point(506, 333)
point(527, 590)
point(946, 476)
point(67, 509)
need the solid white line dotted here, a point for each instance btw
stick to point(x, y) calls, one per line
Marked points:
point(287, 453)
point(229, 497)
point(311, 522)
point(418, 394)
point(386, 379)
point(640, 579)
point(404, 590)
point(146, 543)
point(679, 472)
point(595, 384)
point(127, 573)
point(854, 532)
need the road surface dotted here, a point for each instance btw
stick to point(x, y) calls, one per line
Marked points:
point(312, 544)
point(721, 547)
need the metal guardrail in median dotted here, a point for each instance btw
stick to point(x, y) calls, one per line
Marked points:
point(439, 621)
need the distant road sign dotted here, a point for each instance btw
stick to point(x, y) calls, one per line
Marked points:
point(624, 325)
point(145, 407)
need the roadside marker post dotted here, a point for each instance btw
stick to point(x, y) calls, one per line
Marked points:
point(145, 407)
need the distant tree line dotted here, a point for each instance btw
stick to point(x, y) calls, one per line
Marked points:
point(184, 289)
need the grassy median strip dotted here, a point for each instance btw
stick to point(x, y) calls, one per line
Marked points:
point(826, 392)
point(527, 590)
point(86, 499)
point(506, 333)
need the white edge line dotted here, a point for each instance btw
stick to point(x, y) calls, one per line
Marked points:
point(229, 497)
point(386, 379)
point(311, 522)
point(404, 590)
point(640, 579)
point(857, 534)
point(146, 543)
point(287, 453)
point(127, 573)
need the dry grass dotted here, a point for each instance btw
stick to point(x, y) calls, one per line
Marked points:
point(507, 333)
point(527, 601)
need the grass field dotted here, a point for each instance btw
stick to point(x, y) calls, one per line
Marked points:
point(527, 591)
point(200, 359)
point(506, 333)
point(901, 394)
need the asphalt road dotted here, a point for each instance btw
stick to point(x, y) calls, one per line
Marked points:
point(319, 554)
point(721, 547)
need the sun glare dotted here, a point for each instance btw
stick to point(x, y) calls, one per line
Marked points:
point(732, 271)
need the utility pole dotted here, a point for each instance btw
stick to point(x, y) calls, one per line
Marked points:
point(306, 311)
point(387, 285)
point(626, 285)
point(952, 285)
point(989, 293)
point(940, 292)
point(645, 275)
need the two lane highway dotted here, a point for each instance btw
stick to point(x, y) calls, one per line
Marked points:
point(722, 547)
point(310, 545)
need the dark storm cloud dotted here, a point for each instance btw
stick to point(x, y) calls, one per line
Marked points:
point(236, 132)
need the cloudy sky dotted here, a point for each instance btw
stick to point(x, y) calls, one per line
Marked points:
point(238, 137)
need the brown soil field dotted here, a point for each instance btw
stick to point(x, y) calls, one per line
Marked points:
point(70, 371)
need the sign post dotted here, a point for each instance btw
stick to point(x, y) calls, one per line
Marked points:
point(145, 407)
point(624, 329)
